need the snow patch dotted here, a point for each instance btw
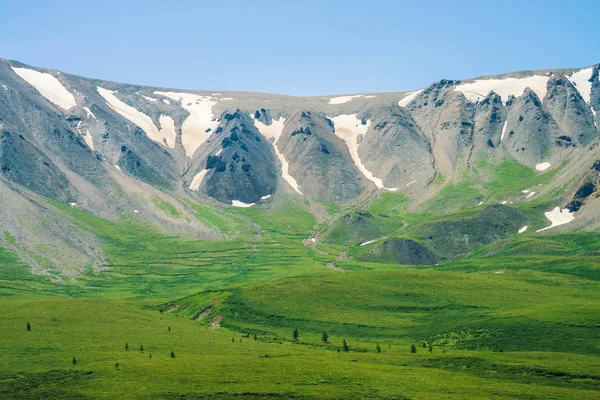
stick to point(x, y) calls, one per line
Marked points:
point(265, 197)
point(5, 88)
point(370, 97)
point(581, 81)
point(343, 99)
point(197, 180)
point(480, 203)
point(89, 113)
point(530, 194)
point(48, 86)
point(74, 205)
point(166, 101)
point(369, 242)
point(118, 168)
point(237, 203)
point(409, 97)
point(479, 89)
point(226, 99)
point(165, 134)
point(542, 166)
point(523, 229)
point(273, 131)
point(149, 98)
point(595, 117)
point(505, 201)
point(410, 183)
point(503, 130)
point(525, 191)
point(88, 139)
point(349, 128)
point(558, 217)
point(136, 211)
point(193, 129)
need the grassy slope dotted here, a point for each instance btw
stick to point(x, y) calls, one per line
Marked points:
point(527, 332)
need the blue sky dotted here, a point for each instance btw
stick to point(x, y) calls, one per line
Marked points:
point(299, 47)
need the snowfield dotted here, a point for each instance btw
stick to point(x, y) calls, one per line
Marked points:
point(193, 129)
point(523, 229)
point(581, 81)
point(478, 90)
point(89, 113)
point(343, 99)
point(88, 139)
point(558, 217)
point(197, 180)
point(164, 136)
point(273, 132)
point(409, 97)
point(349, 128)
point(542, 166)
point(48, 86)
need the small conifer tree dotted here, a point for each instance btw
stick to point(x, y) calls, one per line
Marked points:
point(28, 327)
point(430, 348)
point(141, 348)
point(116, 365)
point(295, 335)
point(172, 354)
point(74, 361)
point(126, 346)
point(413, 348)
point(378, 349)
point(255, 338)
point(325, 337)
point(345, 346)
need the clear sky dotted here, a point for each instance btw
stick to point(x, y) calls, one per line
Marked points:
point(299, 47)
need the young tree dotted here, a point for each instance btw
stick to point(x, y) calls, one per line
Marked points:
point(74, 361)
point(255, 338)
point(169, 328)
point(345, 346)
point(150, 355)
point(172, 354)
point(325, 337)
point(116, 365)
point(423, 344)
point(126, 346)
point(141, 348)
point(430, 348)
point(232, 339)
point(28, 327)
point(295, 335)
point(413, 348)
point(378, 349)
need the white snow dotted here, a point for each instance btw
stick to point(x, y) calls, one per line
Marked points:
point(409, 97)
point(89, 113)
point(193, 129)
point(525, 191)
point(5, 88)
point(216, 94)
point(226, 99)
point(78, 125)
point(581, 81)
point(369, 242)
point(165, 134)
point(73, 205)
point(595, 117)
point(505, 201)
point(479, 89)
point(343, 99)
point(136, 211)
point(48, 86)
point(558, 217)
point(118, 168)
point(523, 229)
point(530, 194)
point(503, 130)
point(312, 239)
point(197, 180)
point(480, 203)
point(349, 128)
point(542, 166)
point(237, 203)
point(273, 132)
point(265, 197)
point(88, 139)
point(219, 152)
point(149, 98)
point(410, 183)
point(166, 101)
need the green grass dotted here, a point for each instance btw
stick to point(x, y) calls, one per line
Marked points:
point(515, 318)
point(167, 207)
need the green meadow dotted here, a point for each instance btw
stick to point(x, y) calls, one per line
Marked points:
point(174, 318)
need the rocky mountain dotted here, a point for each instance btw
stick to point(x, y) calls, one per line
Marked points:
point(120, 151)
